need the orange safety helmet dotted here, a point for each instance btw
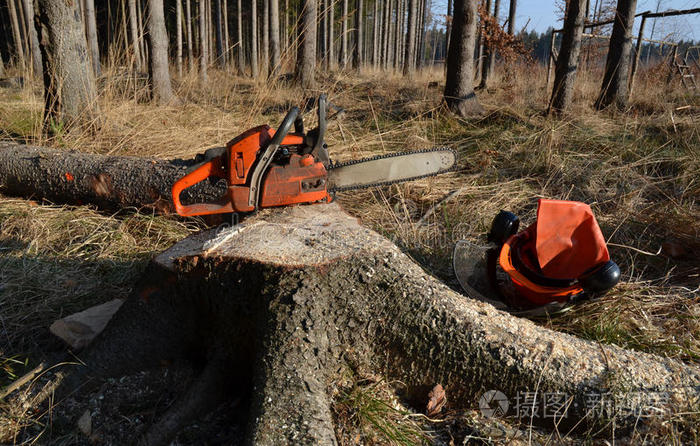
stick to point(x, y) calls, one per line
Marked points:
point(562, 257)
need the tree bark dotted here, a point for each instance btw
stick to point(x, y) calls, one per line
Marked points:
point(109, 182)
point(219, 28)
point(614, 89)
point(203, 38)
point(16, 34)
point(306, 59)
point(296, 296)
point(178, 31)
point(227, 45)
point(357, 53)
point(239, 22)
point(33, 37)
point(410, 57)
point(385, 34)
point(375, 35)
point(275, 37)
point(91, 28)
point(158, 66)
point(344, 40)
point(2, 66)
point(459, 86)
point(569, 56)
point(511, 16)
point(142, 40)
point(69, 85)
point(190, 36)
point(254, 38)
point(133, 26)
point(266, 36)
point(330, 16)
point(489, 54)
point(448, 26)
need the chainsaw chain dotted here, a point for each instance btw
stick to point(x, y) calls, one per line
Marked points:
point(390, 155)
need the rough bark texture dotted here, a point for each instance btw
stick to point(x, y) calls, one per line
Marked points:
point(569, 56)
point(306, 58)
point(357, 53)
point(16, 35)
point(219, 31)
point(489, 60)
point(265, 56)
point(295, 296)
point(33, 37)
point(190, 38)
point(409, 58)
point(239, 30)
point(459, 86)
point(617, 67)
point(110, 182)
point(158, 66)
point(178, 39)
point(511, 16)
point(202, 42)
point(69, 85)
point(91, 28)
point(133, 26)
point(275, 36)
point(254, 38)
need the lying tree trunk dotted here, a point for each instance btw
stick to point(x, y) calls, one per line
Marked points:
point(294, 296)
point(110, 182)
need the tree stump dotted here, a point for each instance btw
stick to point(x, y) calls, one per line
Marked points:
point(286, 301)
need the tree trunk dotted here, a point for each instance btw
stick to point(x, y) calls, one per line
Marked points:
point(448, 26)
point(385, 34)
point(219, 28)
point(569, 55)
point(410, 57)
point(459, 86)
point(254, 38)
point(330, 15)
point(109, 182)
point(239, 31)
point(178, 30)
point(203, 42)
point(306, 58)
point(69, 85)
point(511, 16)
point(266, 36)
point(375, 35)
point(227, 45)
point(275, 36)
point(16, 34)
point(396, 35)
point(158, 67)
point(489, 53)
point(344, 40)
point(2, 65)
point(133, 26)
point(423, 19)
point(357, 53)
point(291, 300)
point(617, 67)
point(142, 34)
point(190, 36)
point(33, 37)
point(91, 29)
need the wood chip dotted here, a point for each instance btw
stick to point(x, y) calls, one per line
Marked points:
point(436, 401)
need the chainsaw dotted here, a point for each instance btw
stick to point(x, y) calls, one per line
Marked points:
point(266, 168)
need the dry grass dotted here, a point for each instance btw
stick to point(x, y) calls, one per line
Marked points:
point(638, 170)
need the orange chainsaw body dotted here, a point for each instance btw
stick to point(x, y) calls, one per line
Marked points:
point(299, 178)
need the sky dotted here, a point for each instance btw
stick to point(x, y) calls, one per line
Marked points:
point(543, 14)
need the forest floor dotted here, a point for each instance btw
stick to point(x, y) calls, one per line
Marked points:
point(639, 171)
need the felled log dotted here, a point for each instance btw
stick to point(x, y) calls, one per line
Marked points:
point(287, 301)
point(109, 182)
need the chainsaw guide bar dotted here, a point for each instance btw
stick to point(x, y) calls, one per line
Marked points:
point(392, 168)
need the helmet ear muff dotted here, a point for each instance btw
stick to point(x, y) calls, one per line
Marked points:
point(601, 278)
point(503, 226)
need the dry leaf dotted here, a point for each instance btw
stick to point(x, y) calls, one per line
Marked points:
point(436, 401)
